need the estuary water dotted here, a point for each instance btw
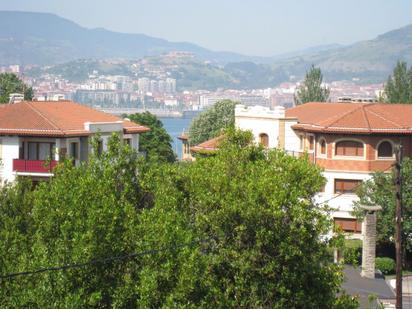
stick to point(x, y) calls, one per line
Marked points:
point(175, 127)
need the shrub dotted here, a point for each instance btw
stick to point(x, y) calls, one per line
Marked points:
point(352, 252)
point(386, 265)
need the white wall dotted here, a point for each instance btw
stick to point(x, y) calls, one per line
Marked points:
point(104, 127)
point(260, 125)
point(10, 151)
point(292, 140)
point(343, 204)
point(259, 119)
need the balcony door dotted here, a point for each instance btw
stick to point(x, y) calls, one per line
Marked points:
point(41, 151)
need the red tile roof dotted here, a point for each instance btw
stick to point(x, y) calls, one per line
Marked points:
point(208, 146)
point(356, 118)
point(55, 118)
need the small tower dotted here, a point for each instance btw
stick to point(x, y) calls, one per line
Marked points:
point(369, 241)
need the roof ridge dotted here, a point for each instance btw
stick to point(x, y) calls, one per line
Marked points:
point(344, 115)
point(382, 117)
point(366, 117)
point(44, 117)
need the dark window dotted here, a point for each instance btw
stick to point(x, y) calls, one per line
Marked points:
point(346, 185)
point(385, 150)
point(74, 151)
point(348, 225)
point(311, 142)
point(323, 147)
point(40, 151)
point(21, 151)
point(128, 141)
point(99, 147)
point(349, 148)
point(264, 140)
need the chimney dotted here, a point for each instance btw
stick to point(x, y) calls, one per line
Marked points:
point(16, 97)
point(369, 241)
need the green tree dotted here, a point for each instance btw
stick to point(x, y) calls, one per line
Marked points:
point(211, 122)
point(10, 83)
point(82, 214)
point(311, 89)
point(157, 143)
point(398, 88)
point(262, 231)
point(379, 190)
point(238, 229)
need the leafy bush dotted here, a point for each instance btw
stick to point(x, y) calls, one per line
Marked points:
point(352, 252)
point(386, 265)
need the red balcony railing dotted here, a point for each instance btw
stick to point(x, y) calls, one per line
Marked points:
point(33, 166)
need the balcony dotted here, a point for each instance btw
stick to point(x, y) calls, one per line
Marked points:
point(301, 154)
point(33, 166)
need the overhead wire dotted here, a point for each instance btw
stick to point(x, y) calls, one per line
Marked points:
point(104, 260)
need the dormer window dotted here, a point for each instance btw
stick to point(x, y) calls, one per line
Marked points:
point(385, 150)
point(349, 148)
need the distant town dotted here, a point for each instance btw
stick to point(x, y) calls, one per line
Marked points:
point(152, 88)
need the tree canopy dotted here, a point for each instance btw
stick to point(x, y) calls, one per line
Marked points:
point(311, 90)
point(379, 190)
point(211, 122)
point(398, 88)
point(10, 83)
point(239, 229)
point(157, 143)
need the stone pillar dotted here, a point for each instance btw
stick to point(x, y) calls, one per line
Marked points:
point(369, 245)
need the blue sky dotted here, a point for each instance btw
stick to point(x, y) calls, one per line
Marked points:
point(254, 27)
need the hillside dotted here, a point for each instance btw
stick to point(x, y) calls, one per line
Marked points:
point(42, 38)
point(370, 61)
point(191, 73)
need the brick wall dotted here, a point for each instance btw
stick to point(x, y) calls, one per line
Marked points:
point(369, 162)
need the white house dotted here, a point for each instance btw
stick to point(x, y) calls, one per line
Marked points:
point(350, 141)
point(34, 136)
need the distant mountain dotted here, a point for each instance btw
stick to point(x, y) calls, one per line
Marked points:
point(46, 39)
point(369, 61)
point(42, 38)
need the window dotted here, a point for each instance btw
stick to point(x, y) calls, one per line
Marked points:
point(311, 142)
point(99, 147)
point(264, 140)
point(40, 151)
point(21, 151)
point(128, 141)
point(349, 148)
point(346, 185)
point(348, 225)
point(301, 141)
point(323, 147)
point(385, 150)
point(74, 151)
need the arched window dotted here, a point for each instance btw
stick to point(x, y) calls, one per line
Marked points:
point(264, 140)
point(385, 150)
point(349, 148)
point(322, 147)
